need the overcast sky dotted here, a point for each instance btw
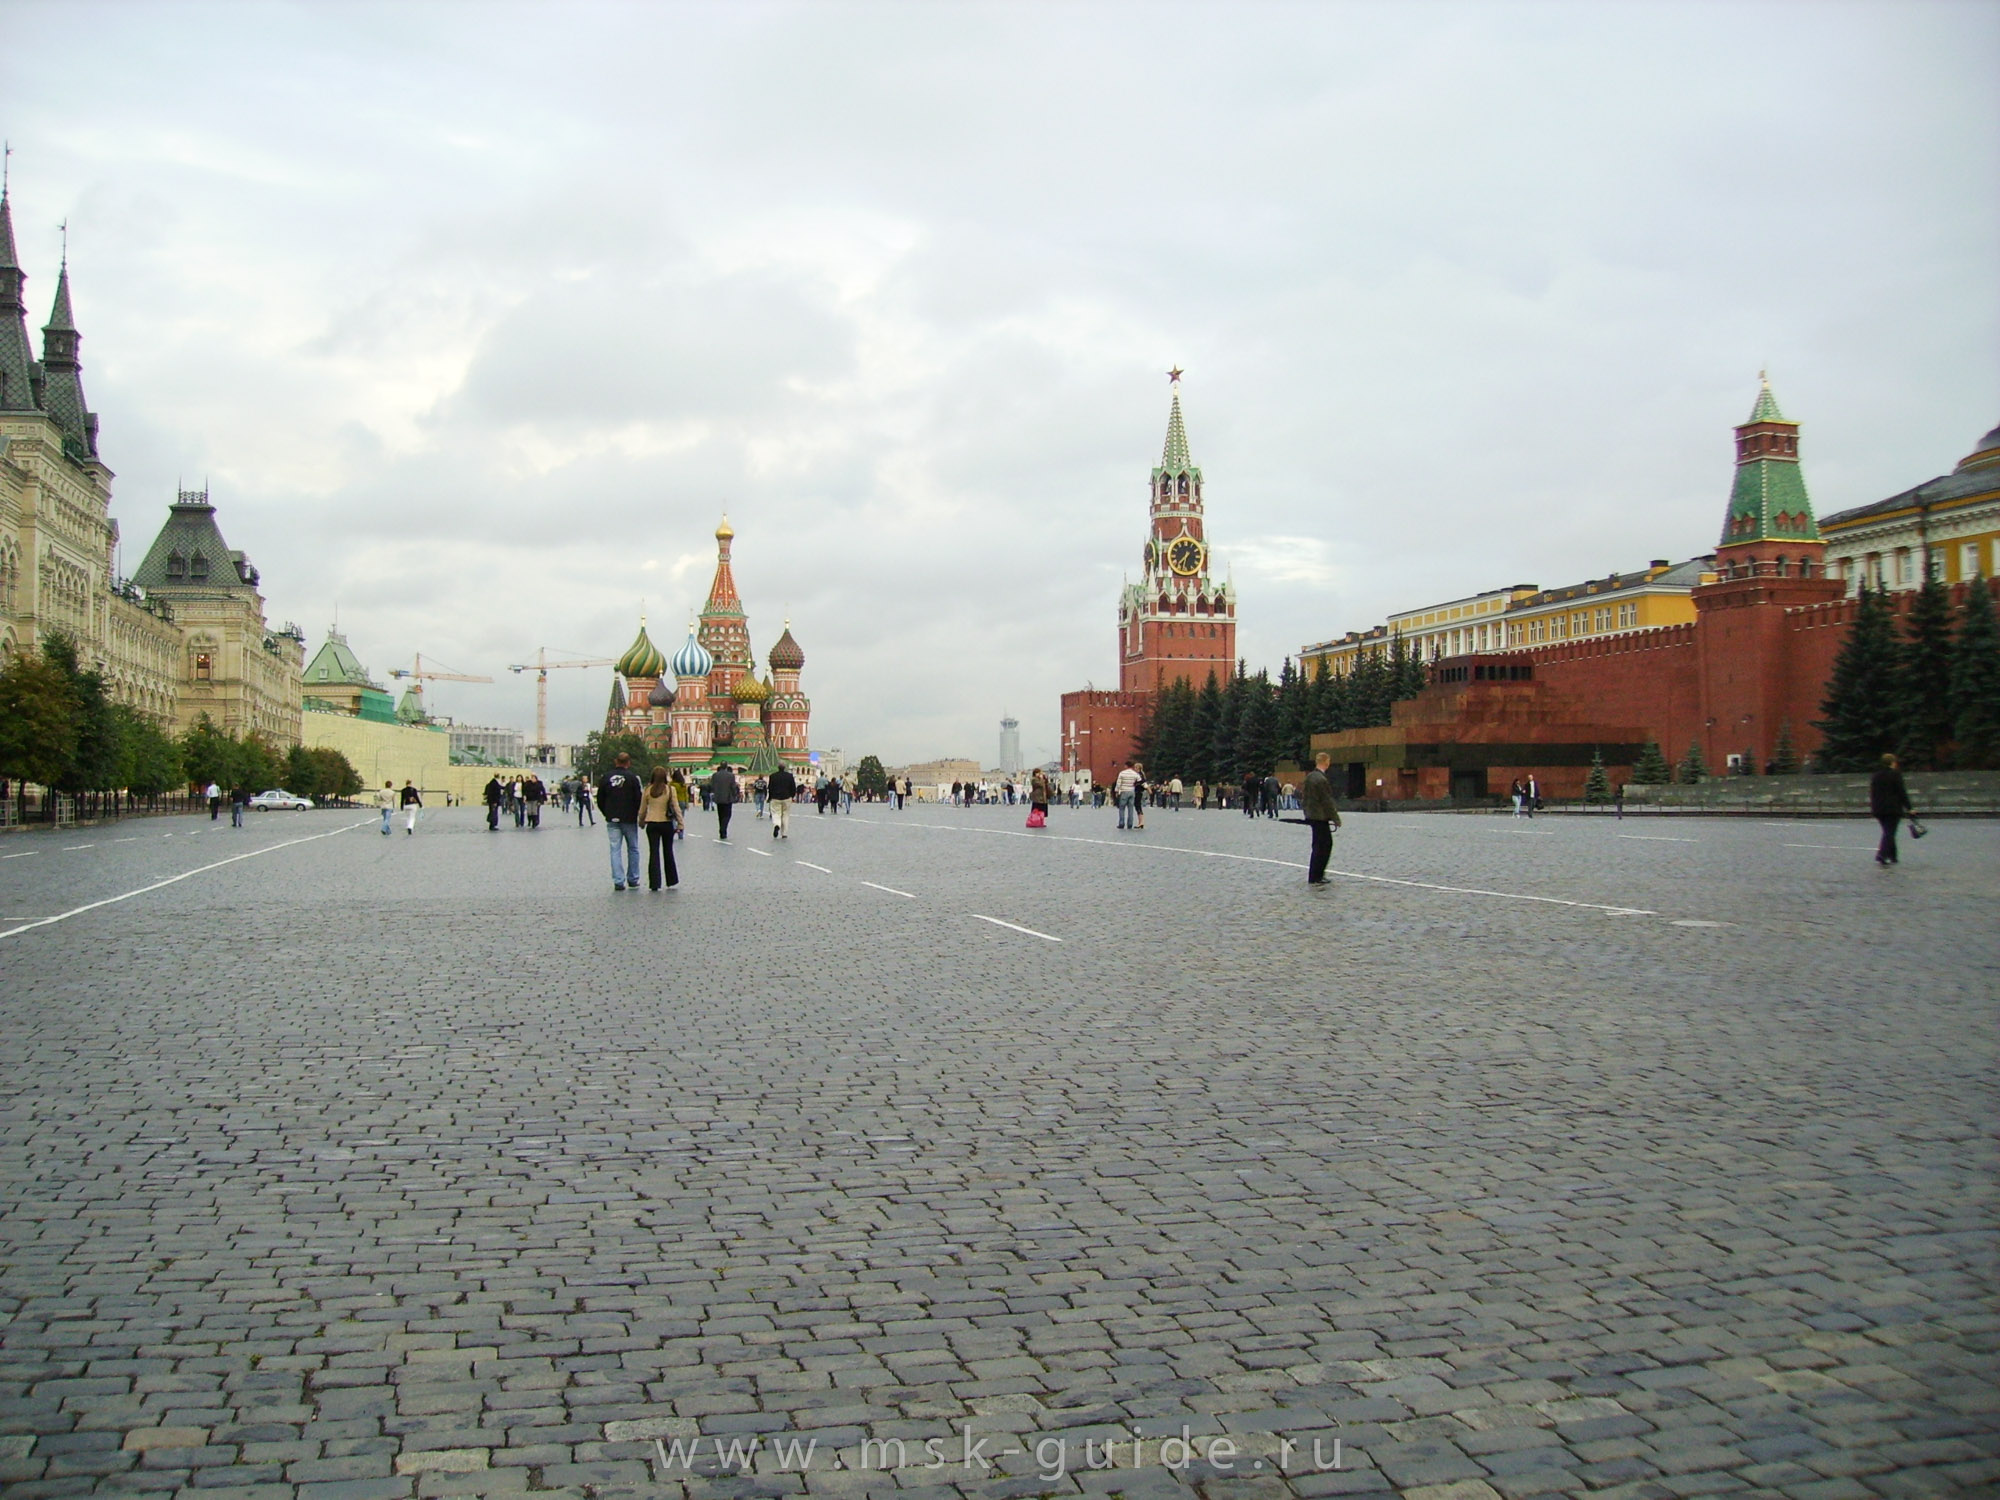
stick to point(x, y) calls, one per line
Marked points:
point(475, 318)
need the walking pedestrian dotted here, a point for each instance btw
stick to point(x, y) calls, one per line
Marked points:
point(760, 789)
point(495, 795)
point(1252, 791)
point(659, 812)
point(517, 798)
point(618, 797)
point(1040, 794)
point(386, 800)
point(584, 809)
point(1126, 789)
point(1534, 796)
point(725, 793)
point(683, 796)
point(1519, 792)
point(1174, 790)
point(1269, 792)
point(214, 795)
point(1889, 801)
point(784, 788)
point(239, 803)
point(412, 799)
point(538, 793)
point(1322, 817)
point(1139, 791)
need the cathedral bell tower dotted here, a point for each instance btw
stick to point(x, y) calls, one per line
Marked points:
point(1177, 621)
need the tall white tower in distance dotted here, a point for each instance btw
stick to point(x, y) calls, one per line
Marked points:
point(1010, 745)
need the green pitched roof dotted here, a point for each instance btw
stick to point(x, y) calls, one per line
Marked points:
point(335, 662)
point(1766, 409)
point(1769, 503)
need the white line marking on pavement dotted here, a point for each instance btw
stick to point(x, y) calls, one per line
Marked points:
point(811, 866)
point(173, 879)
point(1017, 927)
point(23, 855)
point(132, 840)
point(72, 848)
point(890, 889)
point(760, 853)
point(1293, 864)
point(1695, 922)
point(1862, 847)
point(1657, 838)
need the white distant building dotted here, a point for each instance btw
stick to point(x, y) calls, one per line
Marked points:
point(486, 745)
point(1010, 746)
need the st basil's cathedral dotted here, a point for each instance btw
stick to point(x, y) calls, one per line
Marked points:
point(708, 707)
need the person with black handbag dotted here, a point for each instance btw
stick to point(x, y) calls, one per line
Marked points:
point(1889, 801)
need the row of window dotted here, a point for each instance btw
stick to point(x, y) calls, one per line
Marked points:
point(1900, 568)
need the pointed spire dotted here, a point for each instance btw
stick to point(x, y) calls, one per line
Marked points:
point(1174, 458)
point(1766, 409)
point(62, 377)
point(17, 359)
point(60, 316)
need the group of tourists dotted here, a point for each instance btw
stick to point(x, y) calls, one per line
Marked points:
point(409, 799)
point(523, 797)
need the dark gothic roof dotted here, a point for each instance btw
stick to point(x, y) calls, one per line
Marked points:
point(189, 554)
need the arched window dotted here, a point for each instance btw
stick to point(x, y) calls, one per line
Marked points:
point(198, 566)
point(176, 564)
point(1184, 484)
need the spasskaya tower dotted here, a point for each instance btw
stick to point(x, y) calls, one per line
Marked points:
point(1177, 620)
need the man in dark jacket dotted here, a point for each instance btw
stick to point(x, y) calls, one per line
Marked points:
point(725, 793)
point(1889, 800)
point(618, 799)
point(493, 798)
point(784, 787)
point(1322, 817)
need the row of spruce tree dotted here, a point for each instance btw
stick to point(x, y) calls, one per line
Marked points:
point(1221, 733)
point(1928, 693)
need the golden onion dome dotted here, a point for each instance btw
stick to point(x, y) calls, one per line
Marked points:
point(642, 658)
point(749, 690)
point(725, 531)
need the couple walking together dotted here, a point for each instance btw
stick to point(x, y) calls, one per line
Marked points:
point(629, 805)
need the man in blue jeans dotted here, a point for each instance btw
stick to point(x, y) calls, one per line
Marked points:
point(618, 799)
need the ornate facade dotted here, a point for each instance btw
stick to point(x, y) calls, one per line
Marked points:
point(708, 707)
point(174, 640)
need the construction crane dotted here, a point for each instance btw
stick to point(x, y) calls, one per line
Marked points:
point(541, 666)
point(420, 674)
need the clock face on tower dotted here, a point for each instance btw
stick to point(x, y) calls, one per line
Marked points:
point(1184, 556)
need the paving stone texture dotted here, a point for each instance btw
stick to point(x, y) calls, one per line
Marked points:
point(373, 1168)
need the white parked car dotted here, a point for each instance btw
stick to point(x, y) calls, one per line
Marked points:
point(265, 801)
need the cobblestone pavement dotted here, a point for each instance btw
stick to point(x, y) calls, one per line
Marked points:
point(1566, 1157)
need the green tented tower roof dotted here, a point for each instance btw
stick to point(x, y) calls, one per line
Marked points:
point(1768, 501)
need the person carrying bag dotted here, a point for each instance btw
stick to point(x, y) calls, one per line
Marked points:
point(660, 814)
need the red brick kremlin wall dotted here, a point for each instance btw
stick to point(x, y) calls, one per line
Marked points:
point(1758, 656)
point(1099, 731)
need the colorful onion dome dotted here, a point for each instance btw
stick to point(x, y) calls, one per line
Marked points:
point(786, 655)
point(725, 531)
point(642, 658)
point(692, 660)
point(749, 690)
point(662, 695)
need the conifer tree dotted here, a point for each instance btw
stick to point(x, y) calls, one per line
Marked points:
point(1226, 723)
point(1257, 730)
point(1785, 755)
point(1597, 786)
point(1975, 681)
point(1860, 704)
point(1294, 715)
point(1923, 684)
point(1652, 769)
point(1330, 711)
point(1693, 769)
point(1201, 735)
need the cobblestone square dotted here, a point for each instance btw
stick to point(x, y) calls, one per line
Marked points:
point(921, 1155)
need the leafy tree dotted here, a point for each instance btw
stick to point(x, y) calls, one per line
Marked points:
point(1652, 768)
point(601, 751)
point(40, 717)
point(207, 754)
point(95, 758)
point(1861, 696)
point(150, 762)
point(1785, 755)
point(1693, 769)
point(258, 766)
point(1975, 681)
point(870, 779)
point(1923, 686)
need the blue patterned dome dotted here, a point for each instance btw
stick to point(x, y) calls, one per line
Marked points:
point(692, 660)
